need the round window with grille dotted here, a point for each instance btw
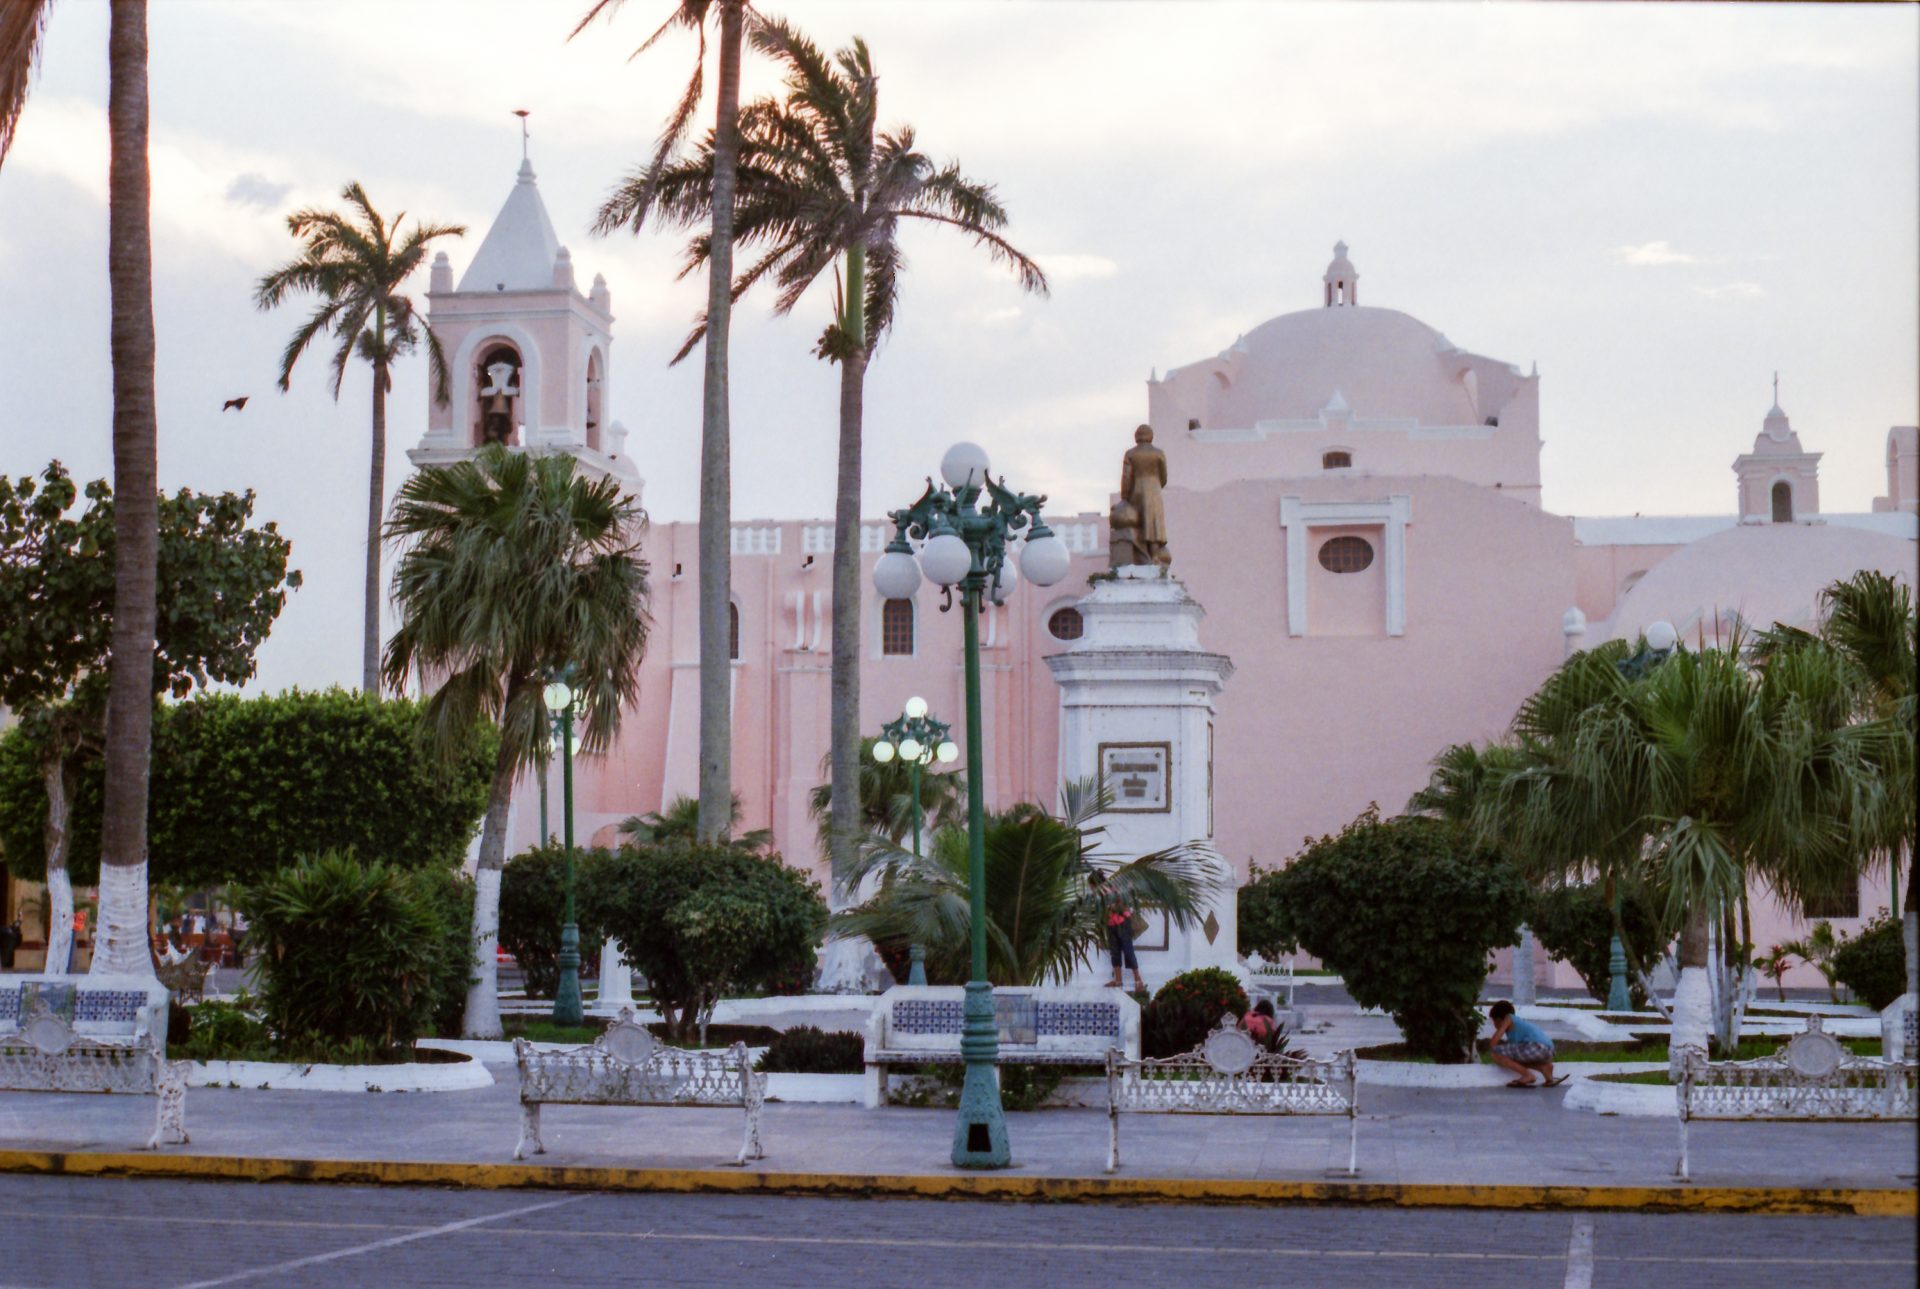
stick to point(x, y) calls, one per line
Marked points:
point(1065, 624)
point(1346, 555)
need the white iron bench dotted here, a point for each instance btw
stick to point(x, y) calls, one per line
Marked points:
point(1229, 1073)
point(93, 1034)
point(1272, 980)
point(1038, 1025)
point(626, 1065)
point(1811, 1077)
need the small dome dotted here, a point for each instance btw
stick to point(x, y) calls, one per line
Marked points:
point(1341, 269)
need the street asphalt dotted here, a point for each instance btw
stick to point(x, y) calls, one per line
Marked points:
point(70, 1231)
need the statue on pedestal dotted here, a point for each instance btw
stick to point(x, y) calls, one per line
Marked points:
point(1143, 473)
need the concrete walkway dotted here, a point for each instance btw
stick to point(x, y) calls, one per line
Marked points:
point(1408, 1137)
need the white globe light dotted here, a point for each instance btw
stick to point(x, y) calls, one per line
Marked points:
point(1661, 637)
point(1003, 583)
point(896, 576)
point(916, 708)
point(1045, 560)
point(910, 749)
point(883, 752)
point(964, 466)
point(946, 559)
point(559, 697)
point(949, 752)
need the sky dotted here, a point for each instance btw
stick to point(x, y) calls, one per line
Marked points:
point(1661, 205)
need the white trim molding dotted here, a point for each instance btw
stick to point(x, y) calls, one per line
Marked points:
point(1299, 518)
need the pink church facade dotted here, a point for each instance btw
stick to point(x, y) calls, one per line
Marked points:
point(1354, 499)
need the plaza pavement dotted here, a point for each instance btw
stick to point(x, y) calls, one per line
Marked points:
point(1495, 1146)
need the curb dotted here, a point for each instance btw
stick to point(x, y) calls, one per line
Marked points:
point(1856, 1201)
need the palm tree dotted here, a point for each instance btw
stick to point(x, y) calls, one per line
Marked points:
point(357, 270)
point(886, 798)
point(1043, 917)
point(820, 189)
point(514, 568)
point(679, 820)
point(1869, 623)
point(1698, 778)
point(120, 946)
point(632, 202)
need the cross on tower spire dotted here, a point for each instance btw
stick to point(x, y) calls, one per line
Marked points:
point(521, 112)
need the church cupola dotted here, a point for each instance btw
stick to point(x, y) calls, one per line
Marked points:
point(528, 353)
point(1779, 481)
point(1342, 280)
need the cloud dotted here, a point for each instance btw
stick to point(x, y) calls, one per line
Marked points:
point(1651, 253)
point(257, 190)
point(1071, 267)
point(1002, 317)
point(1732, 291)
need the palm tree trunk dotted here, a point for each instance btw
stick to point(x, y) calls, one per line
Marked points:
point(716, 468)
point(376, 497)
point(844, 698)
point(120, 945)
point(53, 772)
point(1910, 922)
point(482, 1015)
point(1693, 996)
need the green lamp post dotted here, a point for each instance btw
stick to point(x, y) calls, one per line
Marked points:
point(1656, 644)
point(967, 529)
point(917, 739)
point(567, 1009)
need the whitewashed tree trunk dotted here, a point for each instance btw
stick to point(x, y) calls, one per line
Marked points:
point(482, 1016)
point(120, 944)
point(1910, 932)
point(1525, 992)
point(616, 976)
point(1693, 996)
point(59, 883)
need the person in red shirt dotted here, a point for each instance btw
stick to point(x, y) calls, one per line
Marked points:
point(1119, 919)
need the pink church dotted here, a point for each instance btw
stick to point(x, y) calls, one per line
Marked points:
point(1354, 498)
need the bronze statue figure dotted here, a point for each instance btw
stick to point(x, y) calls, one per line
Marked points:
point(1143, 473)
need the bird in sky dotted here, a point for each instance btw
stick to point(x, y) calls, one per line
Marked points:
point(235, 404)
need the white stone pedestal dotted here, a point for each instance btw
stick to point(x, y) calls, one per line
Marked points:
point(1136, 708)
point(616, 976)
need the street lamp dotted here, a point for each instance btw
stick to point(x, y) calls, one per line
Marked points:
point(966, 529)
point(559, 697)
point(917, 740)
point(1657, 643)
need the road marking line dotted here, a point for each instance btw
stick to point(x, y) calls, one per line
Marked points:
point(1580, 1255)
point(388, 1243)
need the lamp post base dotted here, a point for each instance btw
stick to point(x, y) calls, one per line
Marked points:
point(567, 1009)
point(1619, 999)
point(980, 1132)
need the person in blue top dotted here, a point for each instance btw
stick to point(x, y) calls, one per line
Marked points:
point(1523, 1048)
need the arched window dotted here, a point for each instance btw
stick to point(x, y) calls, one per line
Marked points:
point(1346, 555)
point(1783, 502)
point(896, 628)
point(497, 391)
point(1336, 460)
point(733, 631)
point(1066, 624)
point(594, 379)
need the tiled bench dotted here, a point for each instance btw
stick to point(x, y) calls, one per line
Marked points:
point(92, 1034)
point(1039, 1025)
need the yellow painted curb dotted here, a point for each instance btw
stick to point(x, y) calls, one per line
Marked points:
point(1860, 1202)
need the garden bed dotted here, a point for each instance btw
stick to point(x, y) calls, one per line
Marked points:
point(430, 1070)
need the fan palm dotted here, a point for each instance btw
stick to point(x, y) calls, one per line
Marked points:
point(121, 945)
point(358, 269)
point(679, 820)
point(821, 189)
point(1043, 917)
point(1869, 624)
point(629, 207)
point(514, 568)
point(886, 799)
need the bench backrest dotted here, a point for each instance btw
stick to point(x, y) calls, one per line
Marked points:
point(1032, 1019)
point(110, 1008)
point(1811, 1077)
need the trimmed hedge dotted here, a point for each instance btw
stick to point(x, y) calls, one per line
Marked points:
point(1873, 964)
point(806, 1049)
point(533, 900)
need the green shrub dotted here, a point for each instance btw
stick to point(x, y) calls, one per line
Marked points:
point(348, 953)
point(1873, 964)
point(1259, 917)
point(533, 900)
point(1187, 1009)
point(242, 786)
point(700, 919)
point(805, 1049)
point(226, 1031)
point(1575, 925)
point(1406, 910)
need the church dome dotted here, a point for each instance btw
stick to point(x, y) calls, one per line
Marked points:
point(1386, 363)
point(1764, 573)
